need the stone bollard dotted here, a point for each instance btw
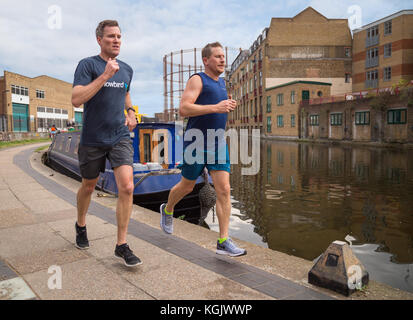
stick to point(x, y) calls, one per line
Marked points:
point(338, 269)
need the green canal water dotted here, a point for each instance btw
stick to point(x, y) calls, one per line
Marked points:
point(306, 196)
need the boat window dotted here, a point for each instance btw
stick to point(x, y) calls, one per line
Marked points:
point(68, 142)
point(146, 147)
point(77, 144)
point(162, 153)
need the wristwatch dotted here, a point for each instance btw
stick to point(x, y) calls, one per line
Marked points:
point(127, 110)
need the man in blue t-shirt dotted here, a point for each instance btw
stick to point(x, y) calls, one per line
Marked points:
point(102, 84)
point(205, 102)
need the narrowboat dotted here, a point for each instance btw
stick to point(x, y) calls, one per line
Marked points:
point(157, 153)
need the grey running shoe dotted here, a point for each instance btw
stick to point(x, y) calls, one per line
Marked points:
point(166, 220)
point(229, 248)
point(82, 242)
point(124, 253)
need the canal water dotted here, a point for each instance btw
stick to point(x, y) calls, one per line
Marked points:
point(306, 196)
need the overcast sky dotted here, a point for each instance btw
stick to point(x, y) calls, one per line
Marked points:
point(34, 41)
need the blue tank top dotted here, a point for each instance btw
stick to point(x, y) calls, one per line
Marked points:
point(212, 92)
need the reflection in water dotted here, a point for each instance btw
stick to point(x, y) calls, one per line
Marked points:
point(306, 196)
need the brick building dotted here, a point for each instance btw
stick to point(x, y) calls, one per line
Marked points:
point(283, 105)
point(35, 104)
point(307, 47)
point(383, 52)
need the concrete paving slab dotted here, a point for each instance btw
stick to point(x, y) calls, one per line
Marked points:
point(44, 259)
point(96, 228)
point(86, 280)
point(225, 289)
point(13, 180)
point(47, 205)
point(172, 281)
point(15, 217)
point(29, 187)
point(15, 289)
point(28, 240)
point(52, 216)
point(9, 201)
point(32, 195)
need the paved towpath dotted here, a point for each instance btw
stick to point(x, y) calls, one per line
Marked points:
point(37, 216)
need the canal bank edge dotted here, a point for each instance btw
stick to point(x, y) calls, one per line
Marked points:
point(277, 263)
point(332, 142)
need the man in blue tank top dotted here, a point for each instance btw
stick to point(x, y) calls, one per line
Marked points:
point(102, 84)
point(205, 102)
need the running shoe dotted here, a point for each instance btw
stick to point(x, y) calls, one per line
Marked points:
point(166, 220)
point(82, 242)
point(229, 248)
point(124, 253)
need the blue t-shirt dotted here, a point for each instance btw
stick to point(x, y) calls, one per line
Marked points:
point(213, 92)
point(104, 118)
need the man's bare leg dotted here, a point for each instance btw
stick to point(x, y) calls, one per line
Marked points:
point(124, 181)
point(223, 205)
point(180, 190)
point(84, 196)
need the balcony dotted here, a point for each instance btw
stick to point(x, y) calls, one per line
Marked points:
point(372, 62)
point(372, 41)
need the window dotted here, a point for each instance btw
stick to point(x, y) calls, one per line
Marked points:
point(362, 118)
point(372, 53)
point(387, 50)
point(40, 94)
point(397, 116)
point(347, 52)
point(41, 109)
point(64, 111)
point(347, 78)
point(268, 124)
point(373, 32)
point(314, 119)
point(292, 120)
point(388, 27)
point(49, 110)
point(387, 74)
point(280, 121)
point(280, 99)
point(336, 119)
point(268, 103)
point(22, 91)
point(292, 97)
point(59, 111)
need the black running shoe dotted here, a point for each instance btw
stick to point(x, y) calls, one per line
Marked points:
point(82, 242)
point(126, 254)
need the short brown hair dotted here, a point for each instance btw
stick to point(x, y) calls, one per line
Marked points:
point(207, 50)
point(103, 24)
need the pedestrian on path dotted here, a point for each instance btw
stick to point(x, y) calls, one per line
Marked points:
point(102, 84)
point(205, 102)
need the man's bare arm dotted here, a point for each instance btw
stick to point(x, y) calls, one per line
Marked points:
point(130, 120)
point(188, 108)
point(82, 94)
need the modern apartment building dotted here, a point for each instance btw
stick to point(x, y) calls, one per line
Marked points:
point(307, 47)
point(35, 104)
point(383, 52)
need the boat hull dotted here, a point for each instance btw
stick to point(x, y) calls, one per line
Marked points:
point(150, 193)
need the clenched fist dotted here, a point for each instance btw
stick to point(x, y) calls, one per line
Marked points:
point(111, 68)
point(226, 106)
